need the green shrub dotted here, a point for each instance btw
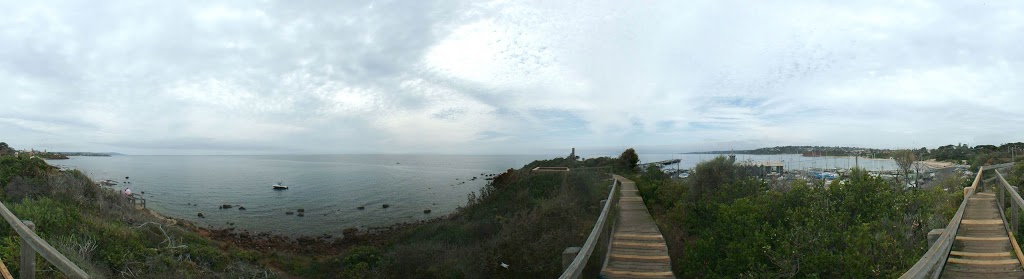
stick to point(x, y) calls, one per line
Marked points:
point(48, 215)
point(363, 254)
point(865, 227)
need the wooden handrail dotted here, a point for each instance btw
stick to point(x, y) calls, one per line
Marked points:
point(575, 269)
point(1018, 204)
point(40, 246)
point(997, 166)
point(931, 264)
point(1014, 197)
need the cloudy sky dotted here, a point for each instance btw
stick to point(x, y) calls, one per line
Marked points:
point(507, 77)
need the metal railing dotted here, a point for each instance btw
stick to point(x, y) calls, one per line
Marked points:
point(601, 228)
point(931, 264)
point(32, 244)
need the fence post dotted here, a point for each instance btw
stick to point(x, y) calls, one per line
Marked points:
point(28, 256)
point(1013, 215)
point(933, 236)
point(998, 199)
point(1002, 202)
point(568, 255)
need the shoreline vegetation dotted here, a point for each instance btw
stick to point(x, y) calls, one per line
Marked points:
point(719, 222)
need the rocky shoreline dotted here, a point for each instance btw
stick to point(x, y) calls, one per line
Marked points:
point(311, 245)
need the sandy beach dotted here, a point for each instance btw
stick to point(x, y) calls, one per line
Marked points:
point(933, 164)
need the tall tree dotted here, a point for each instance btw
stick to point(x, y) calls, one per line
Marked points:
point(905, 160)
point(5, 150)
point(629, 159)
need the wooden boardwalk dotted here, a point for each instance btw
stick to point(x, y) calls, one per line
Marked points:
point(982, 248)
point(638, 249)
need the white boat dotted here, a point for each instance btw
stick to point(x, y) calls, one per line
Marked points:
point(280, 186)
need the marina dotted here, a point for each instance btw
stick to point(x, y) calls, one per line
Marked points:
point(800, 166)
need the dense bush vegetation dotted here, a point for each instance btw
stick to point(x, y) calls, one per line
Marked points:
point(1016, 174)
point(522, 219)
point(719, 223)
point(98, 230)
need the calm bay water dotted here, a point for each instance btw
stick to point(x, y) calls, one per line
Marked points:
point(328, 187)
point(331, 187)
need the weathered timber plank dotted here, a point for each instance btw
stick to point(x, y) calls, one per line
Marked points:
point(973, 238)
point(976, 254)
point(981, 222)
point(638, 257)
point(982, 262)
point(636, 273)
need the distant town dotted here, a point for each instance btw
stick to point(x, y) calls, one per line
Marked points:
point(32, 153)
point(950, 152)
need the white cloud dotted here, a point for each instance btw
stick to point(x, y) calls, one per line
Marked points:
point(506, 77)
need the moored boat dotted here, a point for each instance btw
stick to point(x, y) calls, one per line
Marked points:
point(280, 186)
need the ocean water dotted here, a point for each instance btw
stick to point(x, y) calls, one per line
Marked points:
point(328, 187)
point(331, 187)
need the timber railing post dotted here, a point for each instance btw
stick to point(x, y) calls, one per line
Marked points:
point(981, 184)
point(1002, 202)
point(1013, 216)
point(31, 244)
point(28, 255)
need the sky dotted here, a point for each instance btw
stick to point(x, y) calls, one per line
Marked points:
point(507, 77)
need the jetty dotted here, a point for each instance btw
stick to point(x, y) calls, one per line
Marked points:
point(663, 163)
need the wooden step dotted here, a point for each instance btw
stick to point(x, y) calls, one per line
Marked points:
point(981, 222)
point(969, 238)
point(638, 244)
point(635, 236)
point(636, 273)
point(982, 262)
point(979, 254)
point(637, 257)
